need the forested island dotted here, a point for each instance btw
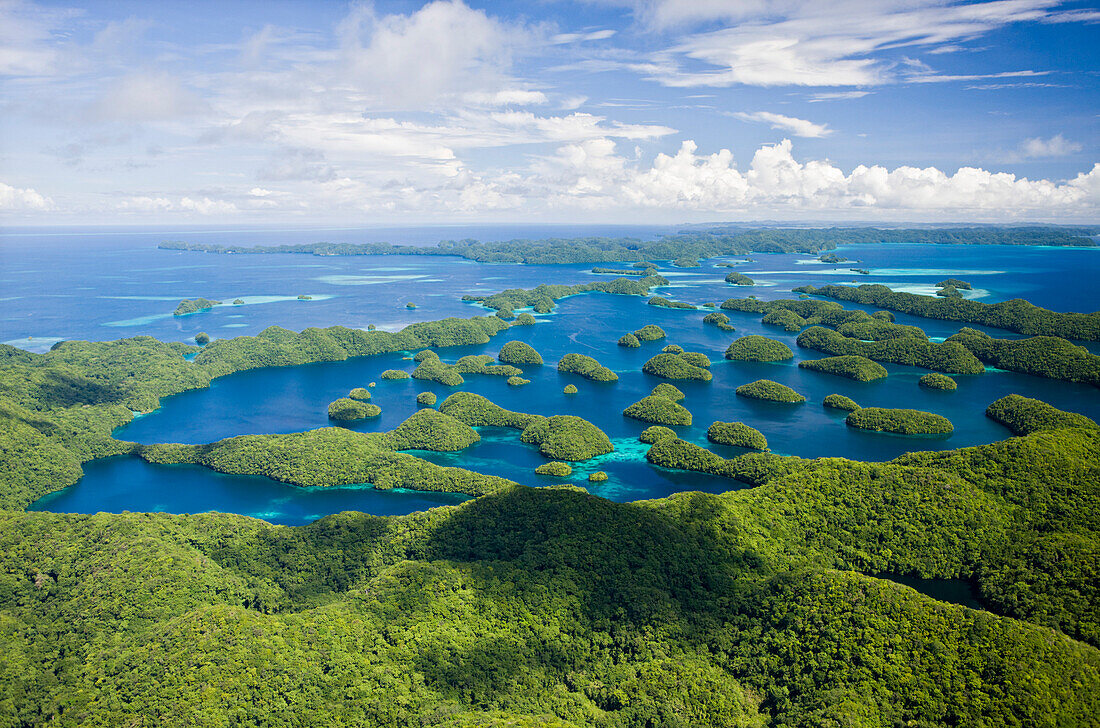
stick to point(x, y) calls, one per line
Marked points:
point(687, 247)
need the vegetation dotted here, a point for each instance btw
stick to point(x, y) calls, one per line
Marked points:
point(719, 319)
point(410, 304)
point(659, 410)
point(428, 429)
point(954, 283)
point(542, 298)
point(360, 393)
point(668, 391)
point(935, 380)
point(477, 411)
point(557, 469)
point(667, 303)
point(650, 332)
point(433, 369)
point(517, 381)
point(784, 318)
point(304, 297)
point(194, 305)
point(852, 366)
point(739, 279)
point(758, 348)
point(570, 389)
point(949, 292)
point(686, 262)
point(840, 402)
point(769, 390)
point(950, 356)
point(1024, 415)
point(587, 367)
point(737, 434)
point(597, 477)
point(673, 349)
point(1016, 315)
point(565, 437)
point(623, 272)
point(238, 302)
point(654, 433)
point(346, 408)
point(676, 366)
point(334, 456)
point(202, 338)
point(899, 421)
point(395, 374)
point(524, 319)
point(426, 399)
point(518, 353)
point(630, 341)
point(1040, 356)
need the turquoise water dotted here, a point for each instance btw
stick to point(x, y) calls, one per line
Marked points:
point(137, 285)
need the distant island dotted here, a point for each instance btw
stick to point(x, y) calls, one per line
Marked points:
point(681, 247)
point(194, 305)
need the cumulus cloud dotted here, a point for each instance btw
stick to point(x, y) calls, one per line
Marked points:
point(207, 206)
point(23, 199)
point(775, 180)
point(506, 97)
point(1056, 146)
point(790, 124)
point(148, 97)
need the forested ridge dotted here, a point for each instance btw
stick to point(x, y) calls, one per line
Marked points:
point(686, 246)
point(541, 606)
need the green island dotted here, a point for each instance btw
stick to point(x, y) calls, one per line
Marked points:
point(1051, 357)
point(586, 367)
point(719, 319)
point(624, 272)
point(542, 298)
point(517, 381)
point(394, 374)
point(1015, 315)
point(667, 303)
point(524, 319)
point(1024, 415)
point(347, 408)
point(739, 279)
point(852, 366)
point(431, 368)
point(194, 305)
point(649, 332)
point(304, 297)
point(202, 338)
point(570, 389)
point(954, 283)
point(771, 391)
point(598, 476)
point(840, 402)
point(673, 349)
point(238, 302)
point(560, 437)
point(668, 391)
point(784, 318)
point(899, 421)
point(949, 292)
point(950, 357)
point(427, 399)
point(686, 262)
point(360, 393)
point(833, 258)
point(653, 433)
point(659, 410)
point(758, 348)
point(518, 353)
point(935, 380)
point(557, 469)
point(630, 341)
point(737, 434)
point(679, 366)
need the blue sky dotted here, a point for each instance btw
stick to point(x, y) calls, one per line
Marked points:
point(657, 111)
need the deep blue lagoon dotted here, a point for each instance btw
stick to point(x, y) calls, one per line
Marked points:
point(114, 286)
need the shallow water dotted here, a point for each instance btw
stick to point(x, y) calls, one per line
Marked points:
point(140, 285)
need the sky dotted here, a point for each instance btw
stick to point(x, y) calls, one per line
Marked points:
point(571, 111)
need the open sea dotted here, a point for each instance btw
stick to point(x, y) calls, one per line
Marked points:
point(95, 284)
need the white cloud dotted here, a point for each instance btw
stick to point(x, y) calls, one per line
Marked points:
point(795, 126)
point(581, 37)
point(506, 97)
point(206, 206)
point(148, 97)
point(1056, 146)
point(829, 43)
point(23, 199)
point(837, 95)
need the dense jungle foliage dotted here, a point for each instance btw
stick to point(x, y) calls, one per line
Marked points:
point(1041, 356)
point(758, 348)
point(900, 421)
point(586, 367)
point(769, 390)
point(859, 368)
point(951, 357)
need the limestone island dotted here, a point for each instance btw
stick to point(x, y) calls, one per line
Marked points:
point(758, 348)
point(899, 421)
point(771, 391)
point(195, 305)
